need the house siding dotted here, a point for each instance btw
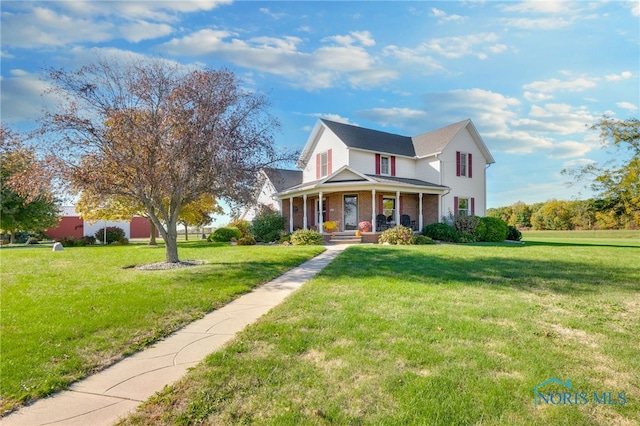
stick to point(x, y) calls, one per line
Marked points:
point(463, 186)
point(339, 155)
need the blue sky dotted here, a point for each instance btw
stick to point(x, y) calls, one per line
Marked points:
point(531, 75)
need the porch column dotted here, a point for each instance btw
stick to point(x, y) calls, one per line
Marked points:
point(420, 216)
point(373, 210)
point(320, 218)
point(397, 208)
point(304, 212)
point(290, 214)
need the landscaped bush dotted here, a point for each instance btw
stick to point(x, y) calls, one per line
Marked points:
point(71, 242)
point(114, 234)
point(268, 226)
point(466, 224)
point(225, 234)
point(306, 237)
point(242, 225)
point(122, 242)
point(398, 235)
point(514, 234)
point(286, 238)
point(466, 237)
point(492, 229)
point(247, 241)
point(422, 240)
point(441, 232)
point(88, 240)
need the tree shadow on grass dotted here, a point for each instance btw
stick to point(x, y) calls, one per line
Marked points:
point(414, 265)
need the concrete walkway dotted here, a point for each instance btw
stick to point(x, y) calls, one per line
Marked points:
point(104, 398)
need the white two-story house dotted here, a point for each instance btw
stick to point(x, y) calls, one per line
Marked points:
point(349, 174)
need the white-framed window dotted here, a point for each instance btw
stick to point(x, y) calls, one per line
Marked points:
point(385, 165)
point(464, 207)
point(324, 164)
point(463, 164)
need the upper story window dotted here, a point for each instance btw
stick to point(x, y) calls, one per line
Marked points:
point(385, 165)
point(463, 164)
point(324, 164)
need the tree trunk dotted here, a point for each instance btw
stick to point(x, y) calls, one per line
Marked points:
point(186, 232)
point(171, 242)
point(154, 231)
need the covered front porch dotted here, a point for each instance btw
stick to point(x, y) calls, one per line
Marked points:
point(382, 208)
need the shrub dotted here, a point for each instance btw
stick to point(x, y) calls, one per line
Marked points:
point(225, 234)
point(441, 232)
point(71, 242)
point(122, 242)
point(514, 234)
point(88, 240)
point(268, 226)
point(399, 235)
point(306, 237)
point(247, 241)
point(466, 237)
point(114, 234)
point(491, 229)
point(286, 238)
point(422, 240)
point(466, 224)
point(242, 225)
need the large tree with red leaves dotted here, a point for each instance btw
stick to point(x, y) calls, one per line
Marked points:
point(161, 135)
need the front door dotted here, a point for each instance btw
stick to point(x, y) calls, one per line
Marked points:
point(350, 212)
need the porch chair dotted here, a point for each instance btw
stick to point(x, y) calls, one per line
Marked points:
point(405, 220)
point(381, 222)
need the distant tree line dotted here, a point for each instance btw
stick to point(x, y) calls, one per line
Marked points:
point(567, 215)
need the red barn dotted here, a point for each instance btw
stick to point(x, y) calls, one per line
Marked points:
point(72, 225)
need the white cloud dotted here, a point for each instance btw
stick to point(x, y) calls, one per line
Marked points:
point(537, 6)
point(553, 85)
point(444, 17)
point(21, 98)
point(536, 96)
point(272, 14)
point(332, 117)
point(343, 59)
point(142, 30)
point(457, 47)
point(627, 105)
point(569, 149)
point(557, 119)
point(396, 117)
point(577, 163)
point(618, 77)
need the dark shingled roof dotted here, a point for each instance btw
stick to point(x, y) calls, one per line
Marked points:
point(372, 140)
point(283, 178)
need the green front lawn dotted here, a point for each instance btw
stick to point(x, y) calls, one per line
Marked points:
point(70, 313)
point(438, 335)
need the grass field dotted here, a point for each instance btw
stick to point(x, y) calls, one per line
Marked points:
point(438, 335)
point(70, 313)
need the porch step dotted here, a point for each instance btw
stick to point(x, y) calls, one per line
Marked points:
point(345, 239)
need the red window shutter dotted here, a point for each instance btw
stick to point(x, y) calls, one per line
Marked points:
point(377, 164)
point(455, 206)
point(393, 165)
point(457, 169)
point(329, 162)
point(318, 166)
point(401, 205)
point(313, 214)
point(470, 168)
point(473, 204)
